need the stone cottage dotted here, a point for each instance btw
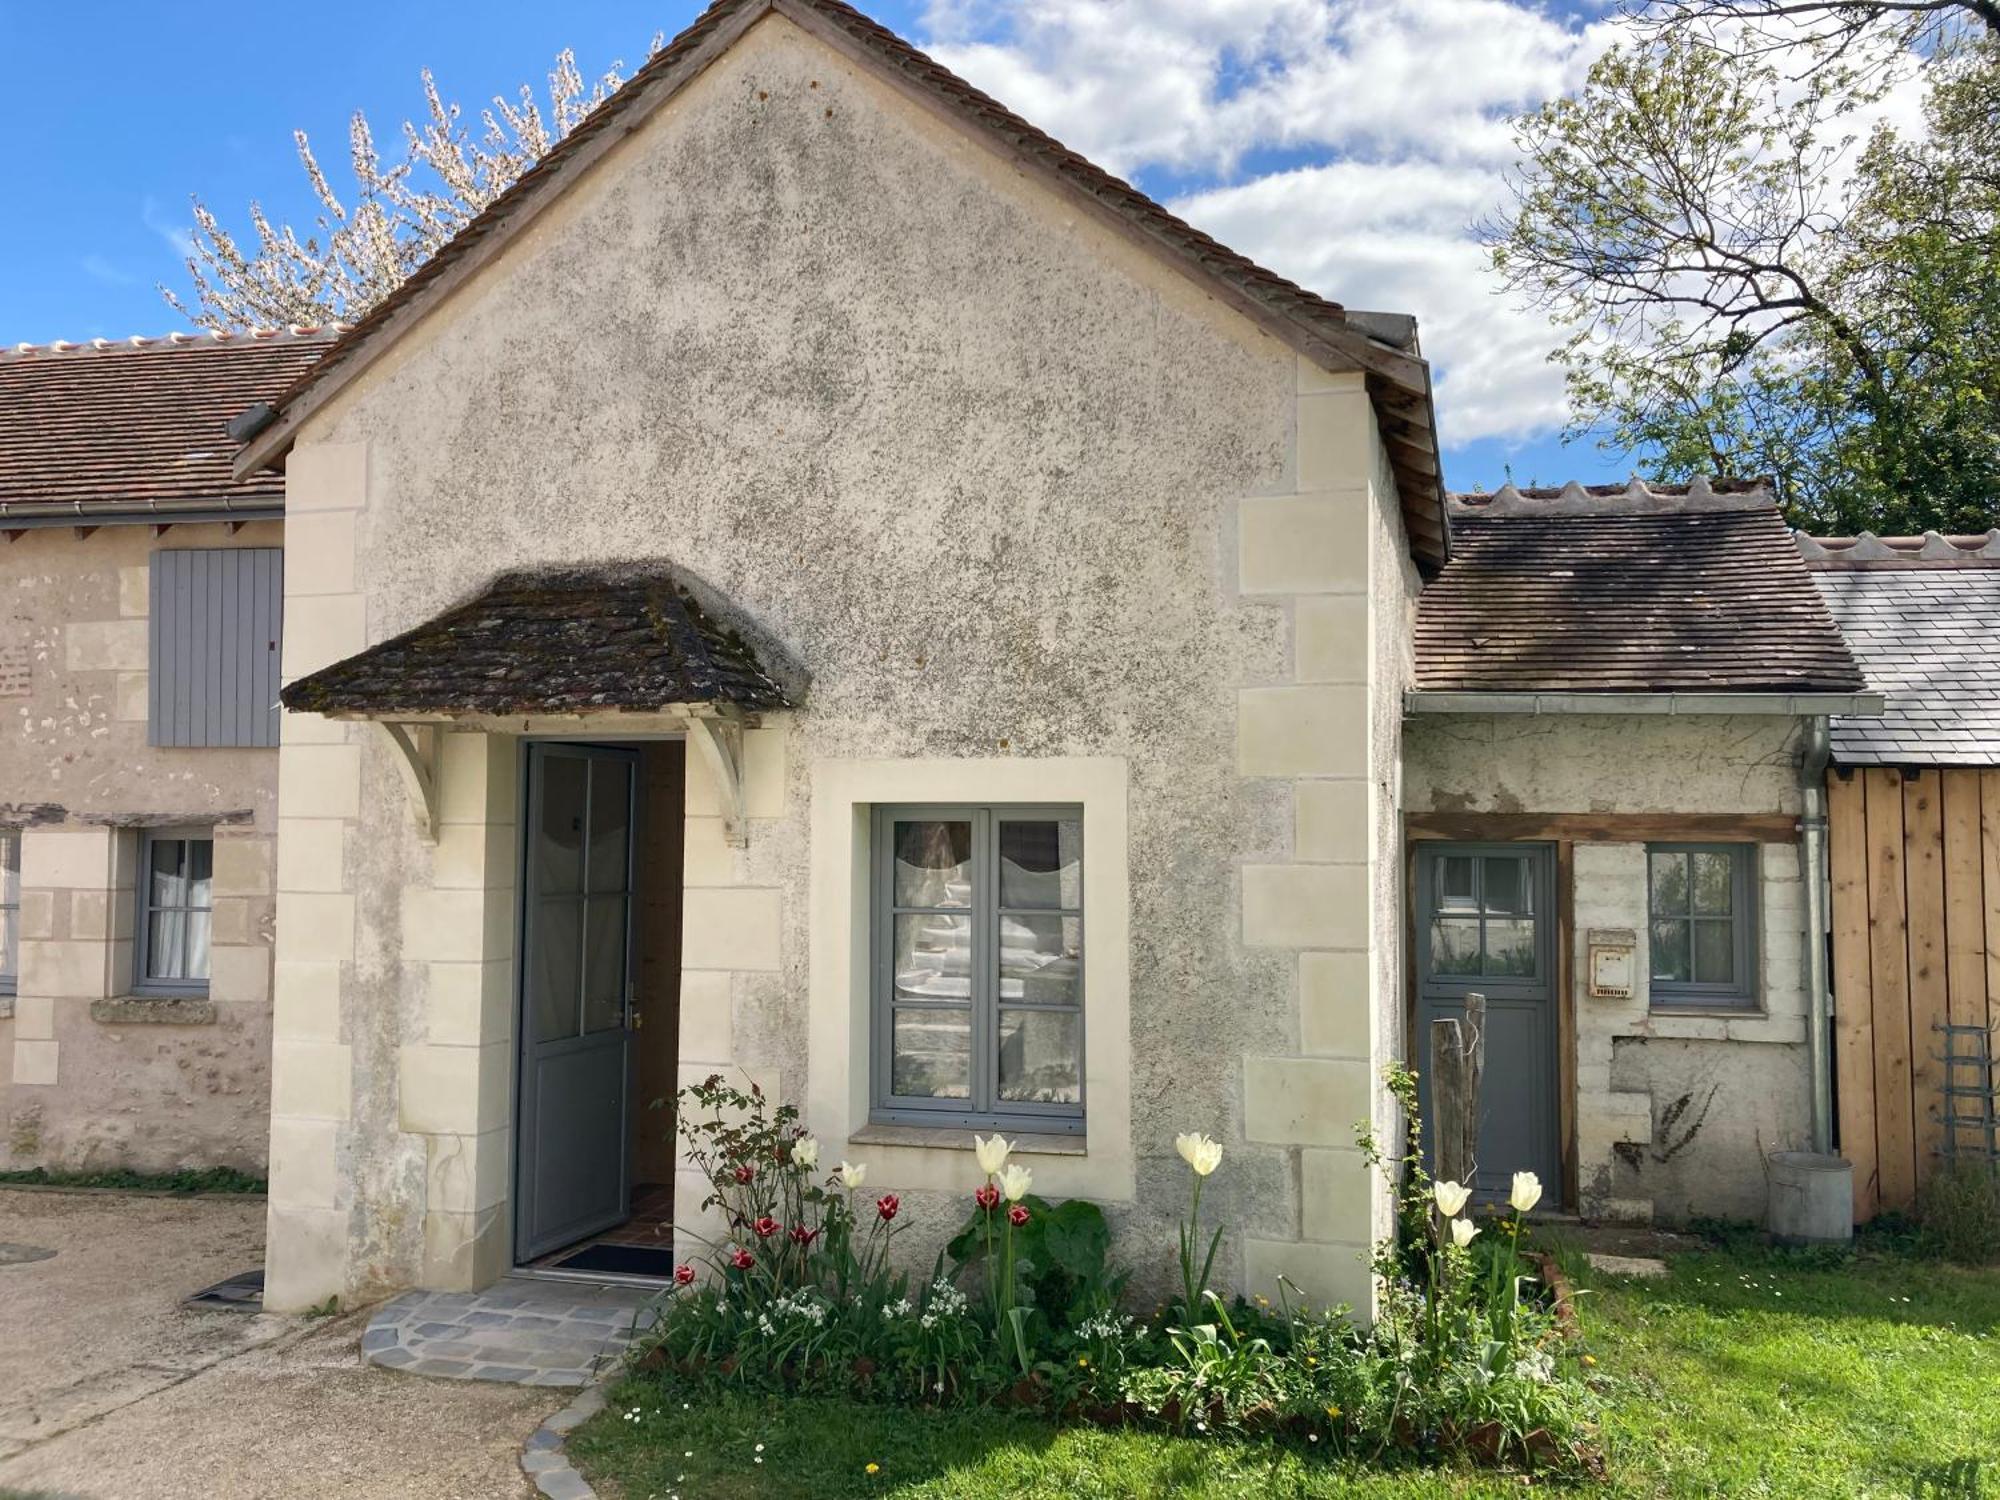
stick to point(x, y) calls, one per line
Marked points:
point(138, 768)
point(821, 584)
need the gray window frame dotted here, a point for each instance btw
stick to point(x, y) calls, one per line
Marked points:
point(1688, 994)
point(984, 1110)
point(142, 982)
point(10, 910)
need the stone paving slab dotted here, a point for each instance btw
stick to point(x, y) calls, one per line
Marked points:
point(521, 1331)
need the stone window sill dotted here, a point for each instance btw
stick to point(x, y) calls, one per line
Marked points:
point(1689, 1024)
point(956, 1138)
point(153, 1010)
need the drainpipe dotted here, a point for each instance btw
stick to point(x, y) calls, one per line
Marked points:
point(1813, 858)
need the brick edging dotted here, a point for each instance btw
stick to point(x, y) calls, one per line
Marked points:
point(542, 1456)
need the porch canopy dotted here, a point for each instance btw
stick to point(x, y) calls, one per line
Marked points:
point(554, 643)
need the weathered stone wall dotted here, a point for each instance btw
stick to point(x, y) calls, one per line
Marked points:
point(1674, 1110)
point(1032, 512)
point(88, 1077)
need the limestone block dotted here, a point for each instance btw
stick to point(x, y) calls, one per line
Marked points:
point(67, 858)
point(478, 782)
point(38, 914)
point(130, 699)
point(454, 1090)
point(90, 916)
point(475, 856)
point(1330, 638)
point(1304, 1101)
point(135, 591)
point(324, 476)
point(1302, 731)
point(1303, 544)
point(731, 928)
point(67, 970)
point(34, 1018)
point(1305, 906)
point(1330, 820)
point(707, 858)
point(1313, 378)
point(1336, 1196)
point(310, 1079)
point(464, 1252)
point(312, 854)
point(305, 1000)
point(1328, 1275)
point(763, 777)
point(106, 645)
point(243, 865)
point(1334, 1004)
point(706, 1019)
point(305, 1168)
point(469, 1004)
point(456, 925)
point(240, 974)
point(464, 1173)
point(1336, 438)
point(321, 629)
point(319, 781)
point(34, 1062)
point(315, 928)
point(305, 1257)
point(319, 552)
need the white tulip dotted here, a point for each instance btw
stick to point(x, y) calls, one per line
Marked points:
point(1527, 1192)
point(1015, 1182)
point(1199, 1152)
point(1462, 1231)
point(1451, 1197)
point(992, 1153)
point(853, 1174)
point(805, 1152)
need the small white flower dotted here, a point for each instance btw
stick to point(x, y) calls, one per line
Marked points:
point(1451, 1197)
point(1527, 1192)
point(853, 1174)
point(805, 1152)
point(1199, 1152)
point(992, 1153)
point(1462, 1231)
point(1015, 1182)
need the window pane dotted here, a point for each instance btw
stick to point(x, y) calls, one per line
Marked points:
point(1510, 946)
point(1670, 949)
point(933, 957)
point(1711, 884)
point(1714, 953)
point(1508, 888)
point(559, 835)
point(201, 872)
point(603, 963)
point(1670, 884)
point(1039, 1057)
point(167, 885)
point(557, 970)
point(610, 823)
point(166, 945)
point(1455, 945)
point(932, 1054)
point(1457, 883)
point(1040, 958)
point(197, 945)
point(1041, 863)
point(10, 937)
point(10, 869)
point(933, 863)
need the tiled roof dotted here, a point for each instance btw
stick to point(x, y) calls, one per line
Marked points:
point(554, 641)
point(1375, 341)
point(102, 425)
point(1634, 589)
point(1928, 638)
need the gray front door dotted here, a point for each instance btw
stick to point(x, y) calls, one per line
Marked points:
point(1487, 922)
point(576, 962)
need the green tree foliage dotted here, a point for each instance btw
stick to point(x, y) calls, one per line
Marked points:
point(1750, 285)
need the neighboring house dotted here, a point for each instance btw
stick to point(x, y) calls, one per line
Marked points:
point(138, 771)
point(821, 585)
point(1915, 822)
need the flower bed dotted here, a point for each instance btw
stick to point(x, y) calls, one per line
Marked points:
point(1025, 1309)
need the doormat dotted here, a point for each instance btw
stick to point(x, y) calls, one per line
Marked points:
point(243, 1292)
point(620, 1260)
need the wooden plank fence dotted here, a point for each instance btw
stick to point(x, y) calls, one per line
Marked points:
point(1915, 864)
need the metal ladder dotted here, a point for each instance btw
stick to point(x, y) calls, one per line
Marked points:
point(1969, 1104)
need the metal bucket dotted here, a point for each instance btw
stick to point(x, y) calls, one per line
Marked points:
point(1812, 1198)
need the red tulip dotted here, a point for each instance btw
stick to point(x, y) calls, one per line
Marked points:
point(888, 1206)
point(765, 1227)
point(1017, 1216)
point(986, 1197)
point(743, 1260)
point(684, 1275)
point(802, 1235)
point(745, 1172)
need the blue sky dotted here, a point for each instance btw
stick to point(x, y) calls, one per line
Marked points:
point(1253, 117)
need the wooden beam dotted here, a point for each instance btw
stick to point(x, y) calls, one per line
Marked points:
point(1889, 982)
point(1853, 998)
point(1566, 1020)
point(83, 532)
point(161, 528)
point(1606, 828)
point(1923, 886)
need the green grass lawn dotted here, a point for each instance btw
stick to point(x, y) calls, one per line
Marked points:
point(1744, 1373)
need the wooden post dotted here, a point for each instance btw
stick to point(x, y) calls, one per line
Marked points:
point(1458, 1059)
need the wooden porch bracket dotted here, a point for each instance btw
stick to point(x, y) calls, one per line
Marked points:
point(420, 758)
point(718, 734)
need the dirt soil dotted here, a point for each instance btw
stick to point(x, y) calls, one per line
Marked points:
point(110, 1389)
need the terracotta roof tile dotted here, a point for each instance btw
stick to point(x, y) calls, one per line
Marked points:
point(1627, 589)
point(89, 425)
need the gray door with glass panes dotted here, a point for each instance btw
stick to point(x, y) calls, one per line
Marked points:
point(1487, 922)
point(576, 963)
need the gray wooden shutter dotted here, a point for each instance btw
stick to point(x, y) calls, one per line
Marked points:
point(214, 653)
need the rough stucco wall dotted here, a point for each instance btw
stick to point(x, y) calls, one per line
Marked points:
point(967, 459)
point(1674, 1111)
point(74, 755)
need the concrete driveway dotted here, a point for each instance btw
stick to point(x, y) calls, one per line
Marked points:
point(110, 1389)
